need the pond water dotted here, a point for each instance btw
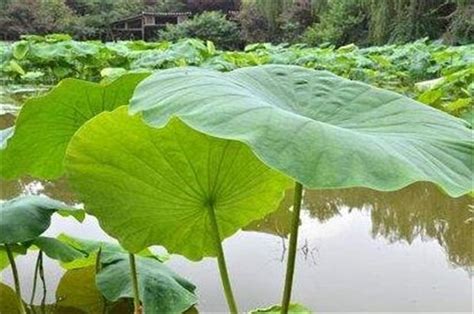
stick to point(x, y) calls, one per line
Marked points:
point(359, 251)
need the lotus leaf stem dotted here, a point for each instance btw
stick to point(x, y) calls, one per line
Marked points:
point(98, 268)
point(35, 282)
point(136, 294)
point(16, 279)
point(290, 264)
point(221, 262)
point(43, 281)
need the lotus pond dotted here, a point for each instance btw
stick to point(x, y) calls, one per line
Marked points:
point(409, 250)
point(135, 194)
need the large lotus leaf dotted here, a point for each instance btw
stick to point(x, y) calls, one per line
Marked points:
point(77, 290)
point(151, 186)
point(46, 124)
point(58, 250)
point(322, 130)
point(26, 217)
point(161, 290)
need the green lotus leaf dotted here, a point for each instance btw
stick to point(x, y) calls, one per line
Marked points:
point(26, 217)
point(57, 250)
point(77, 290)
point(4, 262)
point(46, 124)
point(151, 186)
point(276, 309)
point(322, 130)
point(161, 290)
point(9, 303)
point(91, 248)
point(20, 49)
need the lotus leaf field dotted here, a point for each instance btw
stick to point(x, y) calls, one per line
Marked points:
point(180, 145)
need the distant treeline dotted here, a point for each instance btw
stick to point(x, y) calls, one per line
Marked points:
point(364, 22)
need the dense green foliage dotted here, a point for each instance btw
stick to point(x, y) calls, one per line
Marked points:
point(401, 68)
point(364, 22)
point(211, 26)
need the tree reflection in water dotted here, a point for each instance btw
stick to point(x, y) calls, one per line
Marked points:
point(418, 211)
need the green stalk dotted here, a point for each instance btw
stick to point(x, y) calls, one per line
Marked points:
point(290, 264)
point(221, 262)
point(16, 279)
point(43, 281)
point(136, 294)
point(98, 267)
point(35, 281)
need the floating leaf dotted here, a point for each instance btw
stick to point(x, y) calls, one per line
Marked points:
point(26, 217)
point(322, 130)
point(158, 187)
point(46, 124)
point(161, 290)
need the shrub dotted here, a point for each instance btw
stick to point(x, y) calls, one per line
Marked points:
point(254, 25)
point(345, 21)
point(295, 20)
point(211, 26)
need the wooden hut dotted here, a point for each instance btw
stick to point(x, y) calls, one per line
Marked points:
point(144, 25)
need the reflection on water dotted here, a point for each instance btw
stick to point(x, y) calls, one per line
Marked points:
point(419, 211)
point(418, 234)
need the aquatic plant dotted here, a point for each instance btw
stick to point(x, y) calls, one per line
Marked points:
point(160, 289)
point(322, 130)
point(209, 152)
point(23, 221)
point(173, 187)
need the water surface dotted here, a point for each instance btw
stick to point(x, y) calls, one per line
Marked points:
point(359, 251)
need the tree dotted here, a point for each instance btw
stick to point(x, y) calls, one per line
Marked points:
point(211, 26)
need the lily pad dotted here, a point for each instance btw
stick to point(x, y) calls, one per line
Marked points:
point(26, 217)
point(161, 290)
point(46, 124)
point(151, 186)
point(322, 130)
